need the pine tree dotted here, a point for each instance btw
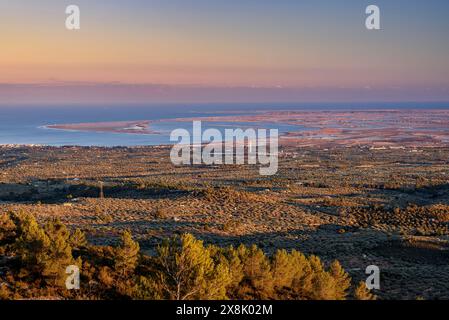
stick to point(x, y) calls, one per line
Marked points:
point(283, 270)
point(145, 288)
point(31, 244)
point(7, 228)
point(126, 255)
point(363, 293)
point(8, 233)
point(257, 282)
point(183, 268)
point(290, 274)
point(309, 287)
point(323, 287)
point(342, 281)
point(314, 282)
point(44, 252)
point(58, 253)
point(230, 257)
point(186, 271)
point(78, 239)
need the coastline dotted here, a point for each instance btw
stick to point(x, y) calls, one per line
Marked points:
point(127, 127)
point(375, 128)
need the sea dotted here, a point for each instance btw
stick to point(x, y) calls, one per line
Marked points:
point(26, 125)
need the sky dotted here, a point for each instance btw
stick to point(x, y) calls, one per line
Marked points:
point(223, 50)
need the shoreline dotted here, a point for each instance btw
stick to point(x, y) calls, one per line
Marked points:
point(127, 127)
point(375, 128)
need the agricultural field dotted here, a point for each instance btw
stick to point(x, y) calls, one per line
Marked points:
point(359, 205)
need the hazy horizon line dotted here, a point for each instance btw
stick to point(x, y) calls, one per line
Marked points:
point(128, 93)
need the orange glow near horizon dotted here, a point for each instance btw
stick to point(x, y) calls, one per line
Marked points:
point(218, 45)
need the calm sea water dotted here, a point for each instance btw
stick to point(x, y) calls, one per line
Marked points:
point(24, 124)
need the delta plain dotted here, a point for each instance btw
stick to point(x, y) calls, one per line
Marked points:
point(363, 187)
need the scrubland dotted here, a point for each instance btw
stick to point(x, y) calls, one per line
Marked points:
point(356, 205)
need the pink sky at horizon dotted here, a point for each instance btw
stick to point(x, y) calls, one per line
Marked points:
point(304, 49)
